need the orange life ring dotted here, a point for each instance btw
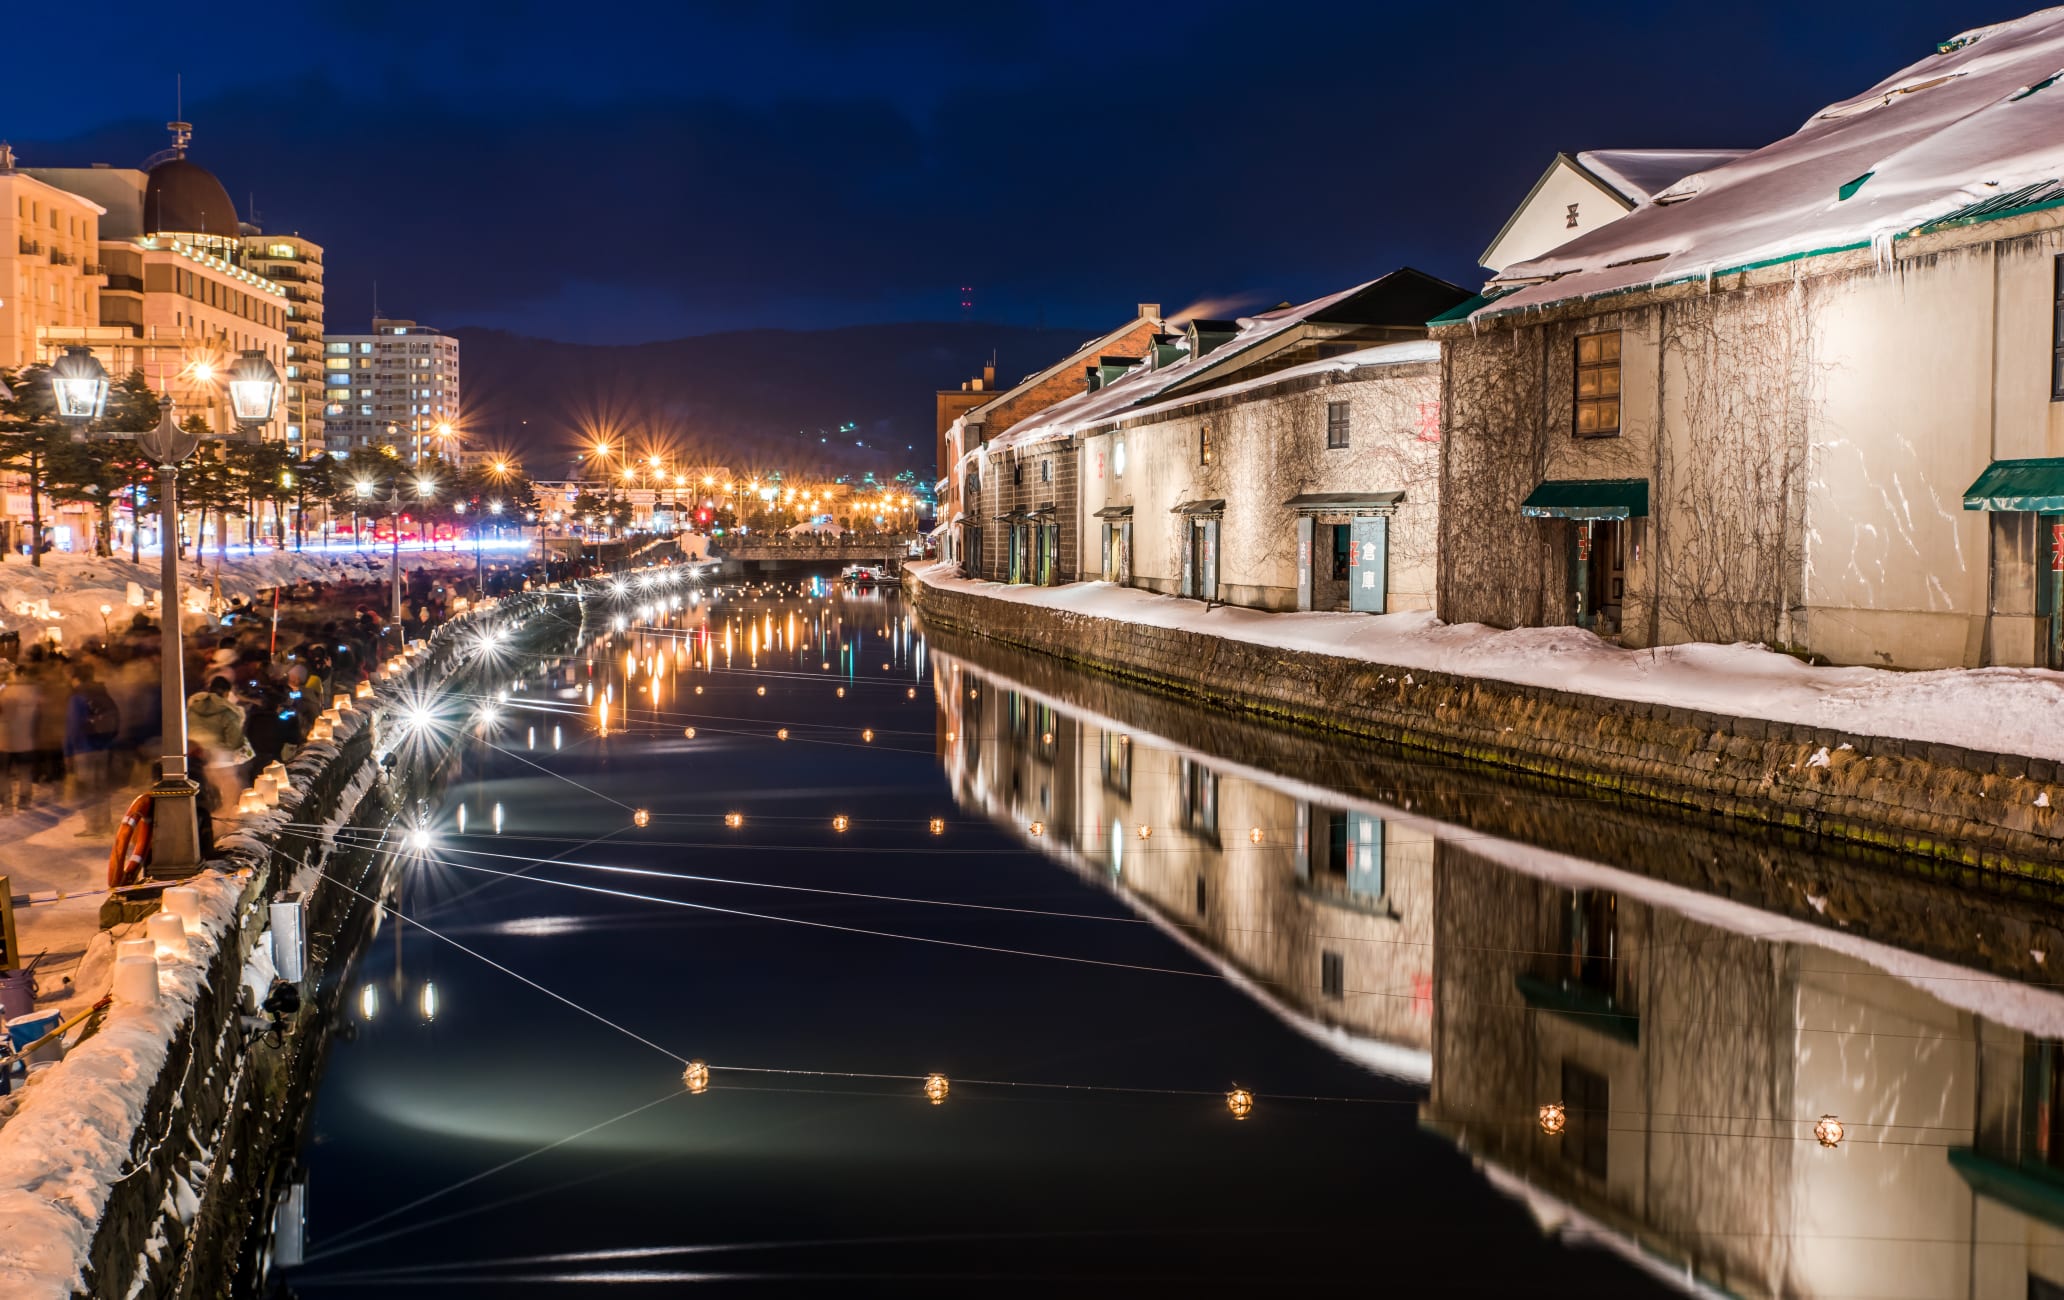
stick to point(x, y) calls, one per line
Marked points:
point(132, 844)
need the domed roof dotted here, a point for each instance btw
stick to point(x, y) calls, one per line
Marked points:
point(184, 197)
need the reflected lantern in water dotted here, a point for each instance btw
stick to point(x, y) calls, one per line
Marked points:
point(842, 692)
point(1554, 1119)
point(696, 1077)
point(1829, 1131)
point(936, 1088)
point(641, 818)
point(911, 693)
point(1240, 1102)
point(761, 690)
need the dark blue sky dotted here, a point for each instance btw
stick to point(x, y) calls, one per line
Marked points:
point(618, 172)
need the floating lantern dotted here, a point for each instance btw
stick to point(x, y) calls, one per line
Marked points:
point(936, 1088)
point(1146, 832)
point(1046, 738)
point(974, 694)
point(1829, 1130)
point(1254, 834)
point(885, 668)
point(1554, 1119)
point(689, 732)
point(696, 1077)
point(698, 690)
point(760, 690)
point(641, 818)
point(1240, 1102)
point(734, 820)
point(842, 692)
point(781, 734)
point(911, 693)
point(938, 825)
point(840, 822)
point(951, 737)
point(1037, 828)
point(867, 736)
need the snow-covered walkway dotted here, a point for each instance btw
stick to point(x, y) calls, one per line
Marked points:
point(1997, 710)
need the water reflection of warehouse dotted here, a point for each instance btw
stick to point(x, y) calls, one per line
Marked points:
point(1694, 998)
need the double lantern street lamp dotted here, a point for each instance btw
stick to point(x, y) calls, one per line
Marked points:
point(80, 387)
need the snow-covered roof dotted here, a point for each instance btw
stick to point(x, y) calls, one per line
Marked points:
point(1144, 385)
point(1976, 121)
point(1641, 174)
point(1085, 354)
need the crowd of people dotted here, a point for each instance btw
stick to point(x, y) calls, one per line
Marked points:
point(86, 727)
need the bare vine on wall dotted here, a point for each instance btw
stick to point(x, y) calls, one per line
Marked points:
point(1739, 384)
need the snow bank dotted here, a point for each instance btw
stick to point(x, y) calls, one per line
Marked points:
point(1992, 710)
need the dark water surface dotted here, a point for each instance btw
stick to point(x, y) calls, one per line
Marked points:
point(1403, 963)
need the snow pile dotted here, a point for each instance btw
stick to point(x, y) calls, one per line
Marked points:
point(1991, 710)
point(1975, 121)
point(73, 587)
point(69, 1138)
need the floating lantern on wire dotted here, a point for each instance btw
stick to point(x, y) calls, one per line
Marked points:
point(641, 818)
point(734, 820)
point(689, 732)
point(1046, 738)
point(759, 690)
point(1146, 832)
point(1240, 1102)
point(938, 825)
point(698, 690)
point(1829, 1131)
point(1254, 834)
point(911, 693)
point(842, 692)
point(840, 822)
point(781, 734)
point(867, 736)
point(936, 1088)
point(1037, 828)
point(696, 1077)
point(1554, 1119)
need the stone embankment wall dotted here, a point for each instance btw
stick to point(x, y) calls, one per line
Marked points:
point(1984, 810)
point(194, 1200)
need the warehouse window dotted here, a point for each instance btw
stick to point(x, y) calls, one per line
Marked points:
point(1598, 385)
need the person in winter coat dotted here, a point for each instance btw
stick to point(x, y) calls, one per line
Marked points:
point(217, 726)
point(18, 701)
point(91, 724)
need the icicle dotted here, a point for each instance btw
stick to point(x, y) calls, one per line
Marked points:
point(1881, 248)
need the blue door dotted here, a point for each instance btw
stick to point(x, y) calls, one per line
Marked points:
point(1368, 565)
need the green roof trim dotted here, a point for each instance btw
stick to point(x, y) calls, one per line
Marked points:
point(2019, 485)
point(2035, 1194)
point(2026, 91)
point(1588, 498)
point(1849, 188)
point(2029, 198)
point(1574, 1002)
point(1468, 307)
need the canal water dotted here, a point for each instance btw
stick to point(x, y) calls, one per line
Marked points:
point(1491, 1037)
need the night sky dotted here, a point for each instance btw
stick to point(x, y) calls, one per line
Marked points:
point(620, 173)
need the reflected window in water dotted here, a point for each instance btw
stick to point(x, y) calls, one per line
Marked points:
point(1590, 937)
point(1348, 848)
point(1333, 975)
point(1115, 758)
point(1199, 799)
point(1586, 1100)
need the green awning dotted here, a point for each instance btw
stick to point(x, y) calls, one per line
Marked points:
point(2019, 485)
point(1588, 498)
point(1326, 502)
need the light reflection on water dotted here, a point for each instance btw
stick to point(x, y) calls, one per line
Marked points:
point(1464, 947)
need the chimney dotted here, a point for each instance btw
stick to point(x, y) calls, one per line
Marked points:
point(989, 375)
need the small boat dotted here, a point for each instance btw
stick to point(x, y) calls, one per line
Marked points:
point(860, 575)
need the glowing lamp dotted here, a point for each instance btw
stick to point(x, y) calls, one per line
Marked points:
point(1037, 828)
point(696, 1077)
point(760, 690)
point(254, 389)
point(641, 818)
point(842, 692)
point(936, 1088)
point(951, 737)
point(867, 736)
point(840, 822)
point(1146, 832)
point(1046, 738)
point(689, 732)
point(938, 825)
point(341, 702)
point(910, 694)
point(1829, 1131)
point(364, 690)
point(80, 385)
point(781, 734)
point(1554, 1119)
point(1240, 1102)
point(734, 820)
point(1254, 835)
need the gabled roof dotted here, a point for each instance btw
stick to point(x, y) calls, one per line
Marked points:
point(1628, 178)
point(1082, 356)
point(1981, 117)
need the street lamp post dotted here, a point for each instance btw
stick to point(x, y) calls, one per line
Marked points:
point(81, 390)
